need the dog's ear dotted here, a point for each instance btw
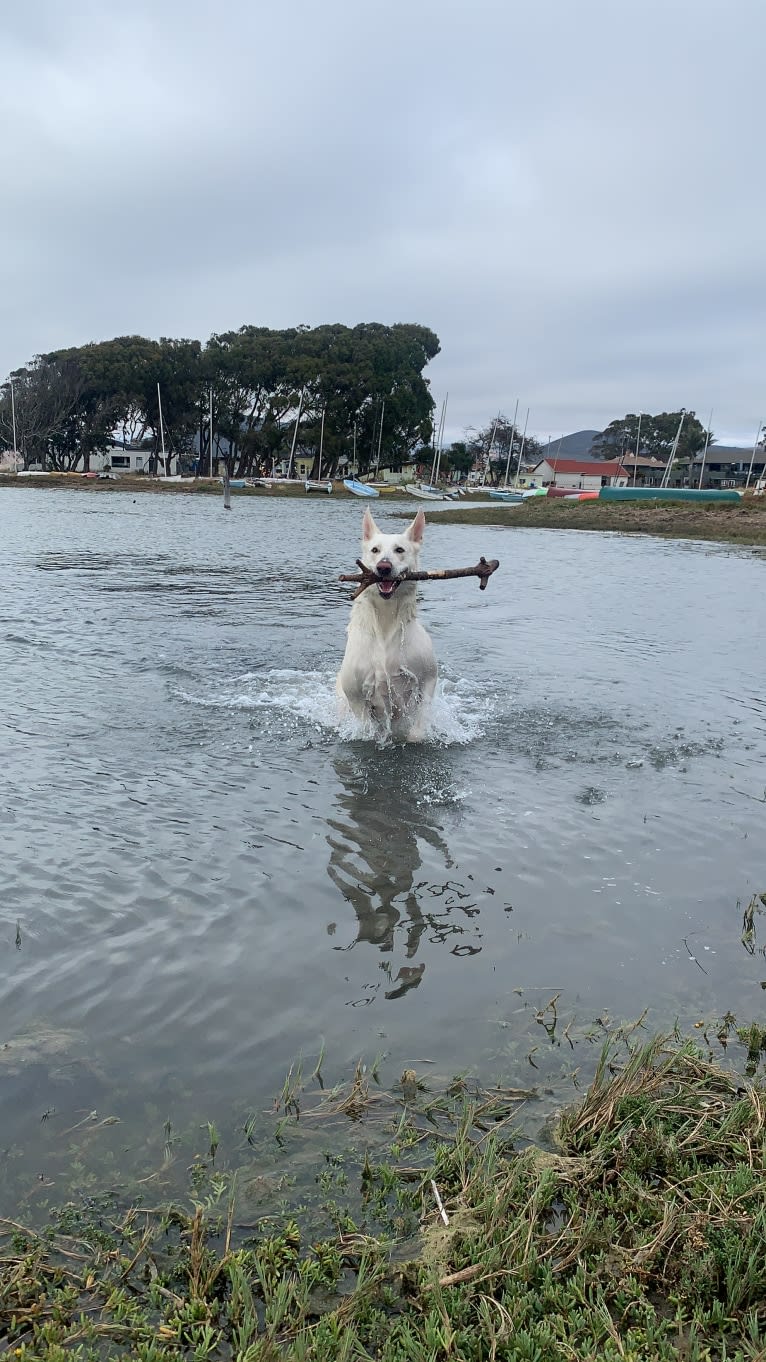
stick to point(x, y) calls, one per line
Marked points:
point(414, 530)
point(369, 528)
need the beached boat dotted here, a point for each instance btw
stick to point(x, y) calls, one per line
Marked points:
point(430, 491)
point(360, 489)
point(426, 494)
point(276, 482)
point(505, 494)
point(317, 485)
point(554, 491)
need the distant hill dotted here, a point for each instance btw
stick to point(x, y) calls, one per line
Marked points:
point(575, 446)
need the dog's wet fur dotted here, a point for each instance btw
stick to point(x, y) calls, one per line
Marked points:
point(388, 674)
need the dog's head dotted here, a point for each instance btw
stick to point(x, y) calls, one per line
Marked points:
point(389, 555)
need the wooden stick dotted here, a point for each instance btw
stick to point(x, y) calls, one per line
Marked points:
point(367, 577)
point(466, 1274)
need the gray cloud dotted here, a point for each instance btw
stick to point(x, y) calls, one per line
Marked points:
point(570, 194)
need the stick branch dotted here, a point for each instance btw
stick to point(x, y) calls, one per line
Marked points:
point(483, 570)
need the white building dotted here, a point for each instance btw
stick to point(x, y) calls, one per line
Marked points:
point(580, 475)
point(121, 459)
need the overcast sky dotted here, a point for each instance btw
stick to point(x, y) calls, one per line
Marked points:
point(572, 193)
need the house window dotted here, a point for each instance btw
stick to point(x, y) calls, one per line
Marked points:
point(120, 461)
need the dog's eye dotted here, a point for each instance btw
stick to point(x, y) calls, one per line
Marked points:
point(399, 549)
point(375, 549)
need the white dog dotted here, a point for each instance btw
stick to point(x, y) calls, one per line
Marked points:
point(388, 674)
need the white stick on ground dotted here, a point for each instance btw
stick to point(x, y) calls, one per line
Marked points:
point(439, 1202)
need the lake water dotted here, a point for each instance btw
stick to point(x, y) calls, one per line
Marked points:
point(203, 877)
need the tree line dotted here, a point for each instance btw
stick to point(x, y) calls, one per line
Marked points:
point(366, 380)
point(653, 436)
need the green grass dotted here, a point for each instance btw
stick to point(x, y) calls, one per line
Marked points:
point(639, 1235)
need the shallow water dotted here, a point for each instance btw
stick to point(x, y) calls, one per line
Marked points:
point(203, 875)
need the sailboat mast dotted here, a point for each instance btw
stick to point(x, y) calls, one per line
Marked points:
point(705, 450)
point(510, 444)
point(556, 458)
point(752, 456)
point(441, 439)
point(489, 452)
point(436, 446)
point(638, 447)
point(210, 429)
point(321, 445)
point(295, 434)
point(13, 423)
point(669, 469)
point(521, 451)
point(380, 438)
point(162, 430)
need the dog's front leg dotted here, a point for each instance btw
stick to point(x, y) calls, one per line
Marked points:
point(377, 698)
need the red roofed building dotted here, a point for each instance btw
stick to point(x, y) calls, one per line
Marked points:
point(580, 475)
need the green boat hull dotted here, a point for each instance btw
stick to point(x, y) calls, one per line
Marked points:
point(666, 494)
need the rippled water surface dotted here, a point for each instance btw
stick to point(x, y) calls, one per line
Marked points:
point(203, 876)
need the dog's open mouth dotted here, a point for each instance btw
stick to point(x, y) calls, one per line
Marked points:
point(387, 586)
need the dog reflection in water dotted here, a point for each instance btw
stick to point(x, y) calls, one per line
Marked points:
point(376, 833)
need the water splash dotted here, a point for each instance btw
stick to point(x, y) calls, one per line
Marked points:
point(306, 699)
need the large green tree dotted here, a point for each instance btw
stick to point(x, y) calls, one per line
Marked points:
point(458, 458)
point(657, 435)
point(367, 380)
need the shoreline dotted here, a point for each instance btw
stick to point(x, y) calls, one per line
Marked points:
point(75, 482)
point(634, 1230)
point(743, 524)
point(723, 522)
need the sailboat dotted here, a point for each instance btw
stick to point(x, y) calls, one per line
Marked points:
point(505, 493)
point(166, 477)
point(360, 489)
point(429, 491)
point(424, 494)
point(318, 485)
point(354, 485)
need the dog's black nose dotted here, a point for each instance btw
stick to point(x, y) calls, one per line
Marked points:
point(385, 567)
